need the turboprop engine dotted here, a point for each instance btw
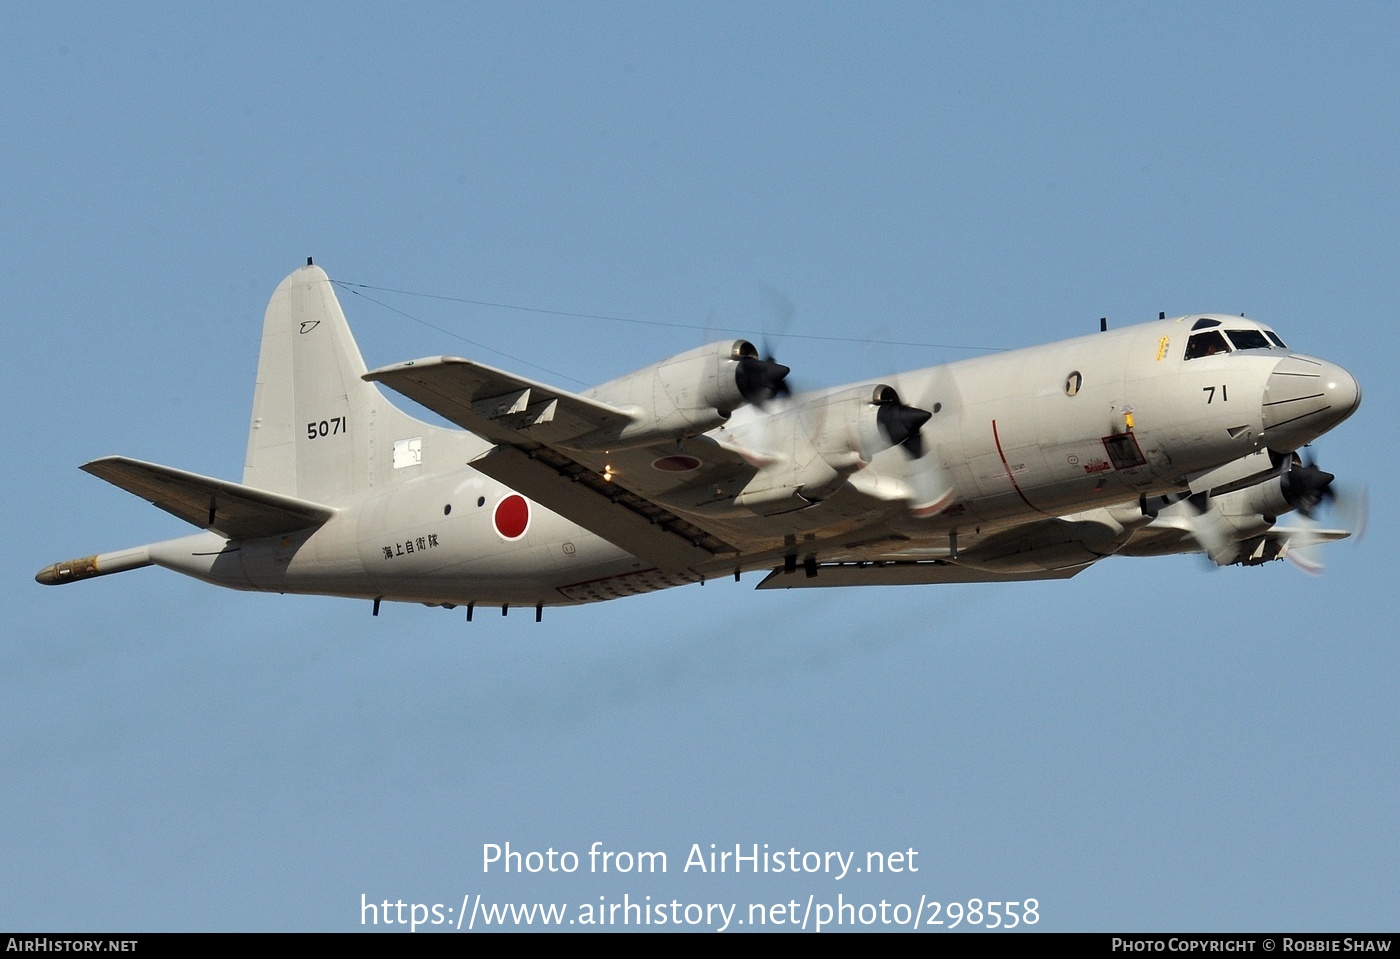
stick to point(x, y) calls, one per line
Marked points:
point(688, 394)
point(814, 446)
point(1239, 523)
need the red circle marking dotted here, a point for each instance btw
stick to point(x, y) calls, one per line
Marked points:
point(675, 464)
point(512, 516)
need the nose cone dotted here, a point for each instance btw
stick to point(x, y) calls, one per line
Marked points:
point(1304, 398)
point(1342, 389)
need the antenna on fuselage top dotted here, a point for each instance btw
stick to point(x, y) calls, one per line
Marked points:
point(1103, 324)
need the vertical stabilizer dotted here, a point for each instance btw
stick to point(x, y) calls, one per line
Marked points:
point(309, 372)
point(319, 431)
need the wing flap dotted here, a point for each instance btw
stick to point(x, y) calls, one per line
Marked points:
point(580, 494)
point(229, 509)
point(532, 425)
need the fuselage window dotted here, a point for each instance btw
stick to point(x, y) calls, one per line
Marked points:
point(1249, 340)
point(1208, 343)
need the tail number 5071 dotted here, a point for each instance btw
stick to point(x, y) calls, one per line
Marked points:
point(324, 428)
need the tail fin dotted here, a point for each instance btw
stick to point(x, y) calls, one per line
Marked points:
point(320, 432)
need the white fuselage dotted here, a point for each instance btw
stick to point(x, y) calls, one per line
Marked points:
point(1092, 422)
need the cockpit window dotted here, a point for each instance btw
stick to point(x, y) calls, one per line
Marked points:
point(1249, 340)
point(1204, 323)
point(1276, 341)
point(1208, 343)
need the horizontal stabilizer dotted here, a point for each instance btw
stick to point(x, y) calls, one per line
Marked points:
point(903, 574)
point(229, 509)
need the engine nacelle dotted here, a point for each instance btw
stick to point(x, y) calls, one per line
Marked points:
point(1254, 509)
point(815, 446)
point(686, 395)
point(1236, 526)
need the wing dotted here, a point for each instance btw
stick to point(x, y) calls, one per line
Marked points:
point(229, 509)
point(904, 574)
point(538, 431)
point(496, 405)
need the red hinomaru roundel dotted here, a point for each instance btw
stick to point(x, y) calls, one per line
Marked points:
point(512, 516)
point(676, 464)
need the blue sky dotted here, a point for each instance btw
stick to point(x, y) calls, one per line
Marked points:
point(1148, 746)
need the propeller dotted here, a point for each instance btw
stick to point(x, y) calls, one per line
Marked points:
point(902, 423)
point(1308, 488)
point(761, 380)
point(933, 392)
point(1209, 531)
